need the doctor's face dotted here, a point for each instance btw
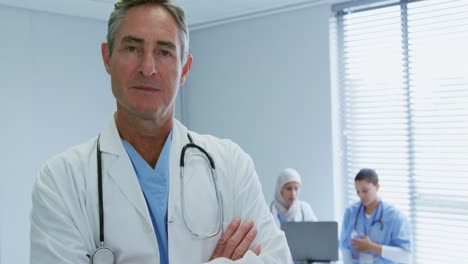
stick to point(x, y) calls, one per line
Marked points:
point(145, 65)
point(290, 192)
point(366, 191)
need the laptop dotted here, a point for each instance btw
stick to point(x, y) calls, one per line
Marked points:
point(312, 241)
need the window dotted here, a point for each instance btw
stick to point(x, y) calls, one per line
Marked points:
point(403, 80)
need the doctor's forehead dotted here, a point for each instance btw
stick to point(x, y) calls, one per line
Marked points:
point(363, 184)
point(129, 39)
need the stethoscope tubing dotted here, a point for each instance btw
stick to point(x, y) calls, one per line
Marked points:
point(379, 220)
point(102, 254)
point(214, 177)
point(191, 144)
point(101, 202)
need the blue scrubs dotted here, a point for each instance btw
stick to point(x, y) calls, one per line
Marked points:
point(155, 186)
point(393, 230)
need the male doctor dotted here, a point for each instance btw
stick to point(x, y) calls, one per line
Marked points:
point(143, 210)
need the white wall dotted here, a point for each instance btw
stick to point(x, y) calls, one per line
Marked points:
point(55, 93)
point(265, 83)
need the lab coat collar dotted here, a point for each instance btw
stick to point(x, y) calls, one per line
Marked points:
point(179, 139)
point(121, 170)
point(112, 143)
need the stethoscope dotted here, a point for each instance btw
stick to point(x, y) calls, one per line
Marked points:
point(104, 254)
point(374, 221)
point(214, 178)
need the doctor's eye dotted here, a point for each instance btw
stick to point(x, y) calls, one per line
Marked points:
point(165, 53)
point(131, 49)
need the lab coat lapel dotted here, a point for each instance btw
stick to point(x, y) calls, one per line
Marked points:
point(179, 139)
point(121, 170)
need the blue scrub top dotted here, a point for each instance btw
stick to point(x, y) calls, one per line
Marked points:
point(395, 230)
point(155, 186)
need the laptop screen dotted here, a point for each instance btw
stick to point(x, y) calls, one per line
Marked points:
point(312, 241)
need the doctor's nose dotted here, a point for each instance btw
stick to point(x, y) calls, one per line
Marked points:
point(148, 65)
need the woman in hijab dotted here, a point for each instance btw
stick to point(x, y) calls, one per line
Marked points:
point(286, 207)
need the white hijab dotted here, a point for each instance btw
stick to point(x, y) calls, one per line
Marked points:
point(288, 212)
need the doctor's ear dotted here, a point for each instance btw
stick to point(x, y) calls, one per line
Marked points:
point(186, 69)
point(105, 56)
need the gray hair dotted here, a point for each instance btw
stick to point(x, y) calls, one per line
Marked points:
point(121, 7)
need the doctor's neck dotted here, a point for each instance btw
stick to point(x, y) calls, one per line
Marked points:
point(146, 136)
point(372, 206)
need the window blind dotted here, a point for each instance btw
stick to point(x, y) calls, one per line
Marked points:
point(404, 98)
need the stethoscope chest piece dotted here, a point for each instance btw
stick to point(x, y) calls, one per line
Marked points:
point(102, 255)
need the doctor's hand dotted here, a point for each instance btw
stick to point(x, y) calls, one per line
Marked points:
point(236, 240)
point(364, 244)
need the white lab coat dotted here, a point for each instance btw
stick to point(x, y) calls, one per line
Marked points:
point(65, 216)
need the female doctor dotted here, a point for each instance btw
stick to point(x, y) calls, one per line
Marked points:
point(374, 231)
point(287, 207)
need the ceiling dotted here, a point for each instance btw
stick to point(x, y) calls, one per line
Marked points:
point(201, 13)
